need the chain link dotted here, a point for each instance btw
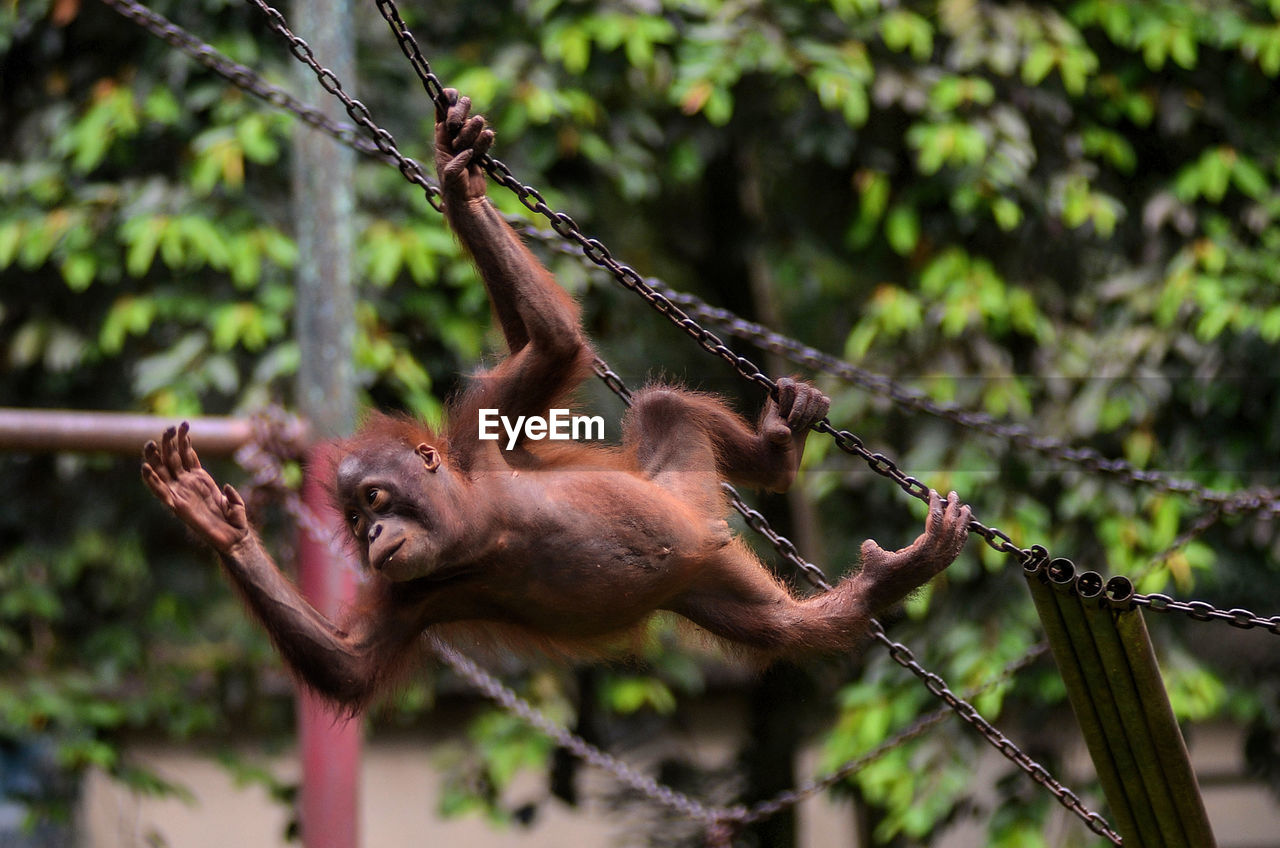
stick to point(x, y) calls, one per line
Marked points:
point(510, 701)
point(384, 148)
point(262, 456)
point(382, 139)
point(1205, 611)
point(243, 77)
point(596, 252)
point(266, 470)
point(1231, 502)
point(902, 655)
point(599, 254)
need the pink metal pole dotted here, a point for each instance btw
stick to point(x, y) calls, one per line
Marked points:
point(324, 206)
point(40, 430)
point(330, 744)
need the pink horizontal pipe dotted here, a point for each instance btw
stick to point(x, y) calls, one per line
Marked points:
point(46, 430)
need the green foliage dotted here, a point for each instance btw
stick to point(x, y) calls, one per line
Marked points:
point(631, 693)
point(1066, 215)
point(503, 746)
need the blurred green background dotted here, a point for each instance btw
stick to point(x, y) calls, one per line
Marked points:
point(1064, 215)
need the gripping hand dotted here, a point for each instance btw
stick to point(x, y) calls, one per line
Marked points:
point(461, 142)
point(889, 576)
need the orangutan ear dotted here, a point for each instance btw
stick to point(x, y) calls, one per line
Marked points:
point(430, 456)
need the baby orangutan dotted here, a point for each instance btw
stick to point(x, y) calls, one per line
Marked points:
point(567, 543)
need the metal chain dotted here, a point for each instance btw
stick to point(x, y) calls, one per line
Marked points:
point(266, 469)
point(242, 77)
point(1230, 502)
point(936, 685)
point(384, 148)
point(1257, 499)
point(596, 251)
point(784, 546)
point(382, 139)
point(808, 789)
point(1205, 611)
point(510, 701)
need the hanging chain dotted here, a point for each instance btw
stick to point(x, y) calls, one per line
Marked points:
point(666, 302)
point(936, 685)
point(579, 747)
point(1256, 499)
point(1092, 461)
point(384, 146)
point(596, 251)
point(243, 77)
point(266, 469)
point(382, 139)
point(1205, 611)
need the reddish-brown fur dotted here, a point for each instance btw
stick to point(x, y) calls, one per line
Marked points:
point(562, 546)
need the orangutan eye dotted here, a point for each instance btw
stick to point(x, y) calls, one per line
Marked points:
point(376, 498)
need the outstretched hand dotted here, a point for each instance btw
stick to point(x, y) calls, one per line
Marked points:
point(461, 142)
point(174, 473)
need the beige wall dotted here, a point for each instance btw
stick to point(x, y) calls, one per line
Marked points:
point(400, 789)
point(401, 782)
